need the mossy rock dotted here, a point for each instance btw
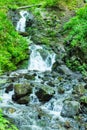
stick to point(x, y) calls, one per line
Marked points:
point(83, 100)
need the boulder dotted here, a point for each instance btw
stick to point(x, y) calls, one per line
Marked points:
point(9, 88)
point(61, 90)
point(70, 108)
point(65, 70)
point(21, 92)
point(79, 89)
point(22, 89)
point(45, 93)
point(23, 100)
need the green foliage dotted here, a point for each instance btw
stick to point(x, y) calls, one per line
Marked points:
point(51, 3)
point(5, 124)
point(76, 30)
point(83, 99)
point(12, 46)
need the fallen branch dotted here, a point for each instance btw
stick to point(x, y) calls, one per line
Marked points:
point(24, 7)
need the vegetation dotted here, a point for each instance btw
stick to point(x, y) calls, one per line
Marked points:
point(5, 124)
point(76, 39)
point(13, 47)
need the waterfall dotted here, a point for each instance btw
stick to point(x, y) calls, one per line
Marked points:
point(40, 59)
point(22, 21)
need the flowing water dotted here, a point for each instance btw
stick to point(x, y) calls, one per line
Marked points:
point(22, 21)
point(37, 115)
point(38, 62)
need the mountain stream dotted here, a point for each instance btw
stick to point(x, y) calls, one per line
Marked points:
point(45, 107)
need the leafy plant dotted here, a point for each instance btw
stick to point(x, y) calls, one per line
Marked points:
point(5, 124)
point(76, 40)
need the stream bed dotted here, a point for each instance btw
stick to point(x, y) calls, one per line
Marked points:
point(42, 100)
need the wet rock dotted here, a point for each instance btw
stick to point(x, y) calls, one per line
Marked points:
point(23, 100)
point(63, 69)
point(83, 99)
point(43, 53)
point(14, 76)
point(30, 76)
point(24, 34)
point(29, 19)
point(85, 86)
point(79, 89)
point(45, 93)
point(67, 124)
point(55, 66)
point(9, 88)
point(22, 89)
point(70, 108)
point(50, 83)
point(61, 90)
point(2, 81)
point(14, 16)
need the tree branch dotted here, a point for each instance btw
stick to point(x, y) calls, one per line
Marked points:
point(23, 7)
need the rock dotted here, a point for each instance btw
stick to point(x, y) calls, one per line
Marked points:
point(55, 66)
point(61, 90)
point(45, 93)
point(2, 82)
point(67, 124)
point(79, 89)
point(65, 70)
point(30, 76)
point(9, 88)
point(85, 86)
point(83, 100)
point(70, 108)
point(22, 89)
point(21, 92)
point(43, 53)
point(24, 34)
point(29, 19)
point(23, 100)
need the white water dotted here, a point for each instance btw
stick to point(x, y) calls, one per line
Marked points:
point(22, 21)
point(36, 61)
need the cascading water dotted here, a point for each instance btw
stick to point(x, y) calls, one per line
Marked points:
point(37, 114)
point(22, 21)
point(40, 62)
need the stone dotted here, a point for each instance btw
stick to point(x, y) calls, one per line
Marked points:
point(61, 90)
point(70, 108)
point(43, 53)
point(79, 89)
point(83, 99)
point(65, 70)
point(30, 76)
point(85, 86)
point(23, 100)
point(9, 88)
point(45, 93)
point(21, 89)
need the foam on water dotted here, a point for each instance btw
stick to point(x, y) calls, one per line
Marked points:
point(36, 61)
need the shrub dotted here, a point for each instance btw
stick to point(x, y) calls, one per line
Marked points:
point(76, 39)
point(5, 124)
